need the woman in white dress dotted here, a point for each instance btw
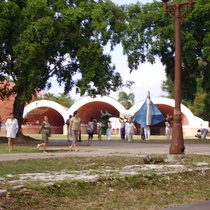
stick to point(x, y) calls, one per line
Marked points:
point(129, 130)
point(12, 129)
point(109, 131)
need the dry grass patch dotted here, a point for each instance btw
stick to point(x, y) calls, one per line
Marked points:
point(147, 190)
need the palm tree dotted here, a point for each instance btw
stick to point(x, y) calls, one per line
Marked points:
point(127, 100)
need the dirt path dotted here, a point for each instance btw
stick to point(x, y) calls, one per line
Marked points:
point(104, 148)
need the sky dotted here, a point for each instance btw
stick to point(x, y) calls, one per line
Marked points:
point(148, 77)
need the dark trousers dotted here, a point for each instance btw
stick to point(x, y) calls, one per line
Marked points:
point(122, 133)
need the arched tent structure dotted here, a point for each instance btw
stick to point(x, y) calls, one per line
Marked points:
point(91, 107)
point(35, 111)
point(45, 103)
point(166, 106)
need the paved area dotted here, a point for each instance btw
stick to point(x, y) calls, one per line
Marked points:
point(60, 148)
point(195, 206)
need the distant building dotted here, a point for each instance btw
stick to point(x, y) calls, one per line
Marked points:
point(91, 107)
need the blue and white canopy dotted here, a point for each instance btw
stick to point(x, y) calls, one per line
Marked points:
point(149, 114)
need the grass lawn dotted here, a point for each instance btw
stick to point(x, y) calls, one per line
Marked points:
point(149, 189)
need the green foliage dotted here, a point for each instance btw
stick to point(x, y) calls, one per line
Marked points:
point(63, 99)
point(127, 100)
point(150, 34)
point(41, 39)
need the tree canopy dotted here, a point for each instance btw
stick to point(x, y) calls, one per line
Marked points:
point(150, 34)
point(63, 99)
point(40, 39)
point(127, 100)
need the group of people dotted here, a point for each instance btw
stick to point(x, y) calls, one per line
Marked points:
point(90, 130)
point(74, 131)
point(127, 129)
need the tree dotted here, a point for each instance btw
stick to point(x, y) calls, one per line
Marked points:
point(127, 100)
point(63, 99)
point(151, 34)
point(40, 39)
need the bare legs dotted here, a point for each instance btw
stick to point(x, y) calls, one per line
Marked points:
point(42, 145)
point(90, 141)
point(10, 144)
point(99, 135)
point(74, 141)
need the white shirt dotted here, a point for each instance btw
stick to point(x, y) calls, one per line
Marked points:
point(11, 127)
point(129, 128)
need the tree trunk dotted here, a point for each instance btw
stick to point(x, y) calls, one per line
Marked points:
point(18, 108)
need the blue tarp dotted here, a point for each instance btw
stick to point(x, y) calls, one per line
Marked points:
point(150, 109)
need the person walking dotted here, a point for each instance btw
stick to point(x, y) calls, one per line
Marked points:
point(68, 128)
point(90, 131)
point(12, 129)
point(46, 133)
point(129, 130)
point(109, 131)
point(75, 123)
point(147, 132)
point(99, 125)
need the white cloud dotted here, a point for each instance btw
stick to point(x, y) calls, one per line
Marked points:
point(148, 77)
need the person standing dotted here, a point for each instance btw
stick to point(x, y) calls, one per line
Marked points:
point(1, 121)
point(129, 130)
point(122, 128)
point(99, 125)
point(109, 131)
point(168, 126)
point(46, 132)
point(90, 130)
point(147, 132)
point(75, 123)
point(68, 128)
point(12, 129)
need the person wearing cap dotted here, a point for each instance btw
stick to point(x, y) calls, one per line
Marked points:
point(12, 129)
point(75, 128)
